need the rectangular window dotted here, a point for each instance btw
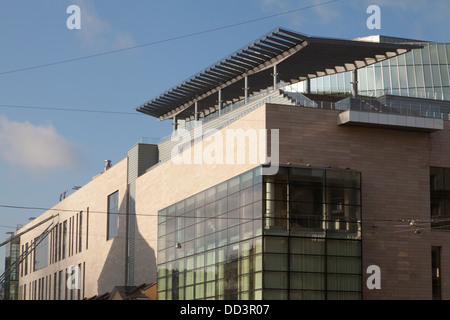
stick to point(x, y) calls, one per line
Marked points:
point(80, 232)
point(61, 285)
point(21, 264)
point(113, 215)
point(76, 235)
point(55, 286)
point(26, 259)
point(64, 244)
point(71, 235)
point(59, 241)
point(87, 227)
point(439, 197)
point(41, 253)
point(436, 272)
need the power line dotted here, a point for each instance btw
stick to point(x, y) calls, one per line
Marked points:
point(167, 40)
point(69, 109)
point(205, 217)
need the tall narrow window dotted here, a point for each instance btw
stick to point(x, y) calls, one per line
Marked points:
point(436, 272)
point(55, 286)
point(21, 264)
point(80, 232)
point(76, 235)
point(87, 227)
point(64, 244)
point(61, 285)
point(69, 248)
point(59, 241)
point(26, 259)
point(113, 215)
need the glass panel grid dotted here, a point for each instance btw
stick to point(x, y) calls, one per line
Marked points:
point(232, 254)
point(219, 254)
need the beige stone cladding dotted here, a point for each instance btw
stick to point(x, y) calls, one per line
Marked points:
point(395, 170)
point(170, 182)
point(101, 261)
point(395, 167)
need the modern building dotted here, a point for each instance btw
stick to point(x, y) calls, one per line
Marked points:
point(297, 166)
point(9, 281)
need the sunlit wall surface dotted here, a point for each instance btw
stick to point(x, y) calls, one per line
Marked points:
point(295, 235)
point(421, 73)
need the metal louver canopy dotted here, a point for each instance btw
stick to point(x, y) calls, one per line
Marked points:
point(297, 56)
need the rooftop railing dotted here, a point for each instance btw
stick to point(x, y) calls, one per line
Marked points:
point(398, 108)
point(357, 104)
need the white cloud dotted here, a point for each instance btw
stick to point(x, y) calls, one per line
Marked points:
point(35, 147)
point(317, 12)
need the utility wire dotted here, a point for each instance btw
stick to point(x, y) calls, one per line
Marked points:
point(204, 217)
point(69, 109)
point(166, 40)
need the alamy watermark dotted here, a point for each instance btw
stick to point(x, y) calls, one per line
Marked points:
point(73, 278)
point(229, 146)
point(374, 21)
point(374, 280)
point(74, 20)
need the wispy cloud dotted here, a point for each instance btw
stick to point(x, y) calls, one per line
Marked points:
point(318, 13)
point(420, 17)
point(97, 32)
point(36, 148)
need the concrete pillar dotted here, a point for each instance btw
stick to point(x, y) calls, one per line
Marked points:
point(196, 111)
point(275, 77)
point(308, 86)
point(355, 83)
point(175, 124)
point(246, 89)
point(220, 101)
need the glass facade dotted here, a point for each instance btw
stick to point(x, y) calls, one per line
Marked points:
point(295, 235)
point(421, 73)
point(440, 197)
point(11, 283)
point(210, 245)
point(312, 234)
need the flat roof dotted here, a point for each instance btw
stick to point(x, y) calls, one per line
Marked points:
point(297, 56)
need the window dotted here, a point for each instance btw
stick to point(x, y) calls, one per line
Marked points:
point(61, 285)
point(440, 197)
point(113, 215)
point(80, 232)
point(26, 259)
point(436, 272)
point(41, 253)
point(64, 244)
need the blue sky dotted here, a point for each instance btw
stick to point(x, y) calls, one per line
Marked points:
point(45, 152)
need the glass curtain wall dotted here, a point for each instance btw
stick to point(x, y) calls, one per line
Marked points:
point(210, 245)
point(421, 73)
point(11, 283)
point(312, 235)
point(295, 235)
point(440, 198)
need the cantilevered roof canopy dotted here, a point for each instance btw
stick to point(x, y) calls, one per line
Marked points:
point(298, 57)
